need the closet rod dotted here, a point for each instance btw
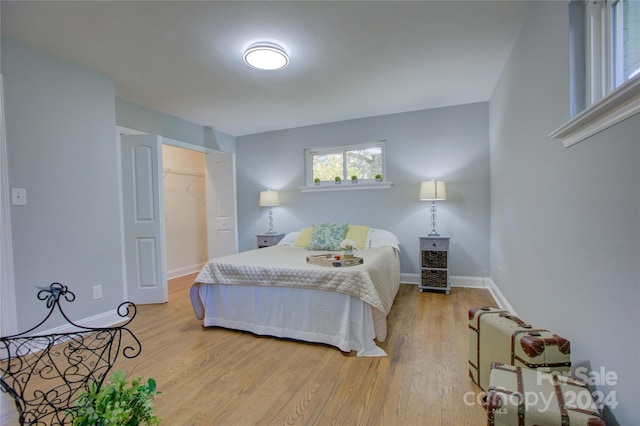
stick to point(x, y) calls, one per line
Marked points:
point(181, 172)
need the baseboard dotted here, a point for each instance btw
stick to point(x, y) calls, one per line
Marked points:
point(409, 278)
point(456, 281)
point(105, 319)
point(468, 282)
point(185, 270)
point(502, 301)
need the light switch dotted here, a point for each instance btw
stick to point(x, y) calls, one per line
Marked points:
point(18, 196)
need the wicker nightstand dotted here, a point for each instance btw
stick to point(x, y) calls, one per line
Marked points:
point(268, 240)
point(434, 254)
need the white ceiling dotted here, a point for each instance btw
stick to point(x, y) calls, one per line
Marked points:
point(348, 59)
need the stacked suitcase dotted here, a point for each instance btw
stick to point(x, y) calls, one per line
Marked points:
point(522, 396)
point(497, 336)
point(517, 350)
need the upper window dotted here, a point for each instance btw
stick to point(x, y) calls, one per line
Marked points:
point(626, 28)
point(612, 30)
point(604, 61)
point(364, 161)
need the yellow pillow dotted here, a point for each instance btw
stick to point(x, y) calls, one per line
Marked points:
point(358, 234)
point(304, 238)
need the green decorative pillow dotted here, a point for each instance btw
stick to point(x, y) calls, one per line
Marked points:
point(327, 236)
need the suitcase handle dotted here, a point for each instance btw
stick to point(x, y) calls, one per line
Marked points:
point(485, 309)
point(517, 320)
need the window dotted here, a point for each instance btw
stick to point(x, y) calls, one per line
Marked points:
point(605, 67)
point(365, 161)
point(612, 30)
point(626, 27)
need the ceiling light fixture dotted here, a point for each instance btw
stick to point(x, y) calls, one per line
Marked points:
point(266, 56)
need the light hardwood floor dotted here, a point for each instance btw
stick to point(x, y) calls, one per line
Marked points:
point(214, 376)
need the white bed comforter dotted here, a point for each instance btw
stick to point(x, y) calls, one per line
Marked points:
point(375, 282)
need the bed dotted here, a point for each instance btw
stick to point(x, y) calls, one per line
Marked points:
point(275, 291)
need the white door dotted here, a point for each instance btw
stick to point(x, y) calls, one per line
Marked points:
point(220, 190)
point(142, 203)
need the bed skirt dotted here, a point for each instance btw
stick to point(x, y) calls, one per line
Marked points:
point(310, 315)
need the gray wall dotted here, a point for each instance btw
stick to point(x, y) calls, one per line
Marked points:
point(447, 143)
point(565, 222)
point(137, 117)
point(61, 144)
point(60, 124)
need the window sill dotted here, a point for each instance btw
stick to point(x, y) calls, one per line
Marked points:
point(622, 103)
point(345, 186)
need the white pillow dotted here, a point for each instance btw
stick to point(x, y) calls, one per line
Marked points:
point(289, 238)
point(367, 242)
point(381, 238)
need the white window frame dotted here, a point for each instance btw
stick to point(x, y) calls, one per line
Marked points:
point(346, 184)
point(609, 102)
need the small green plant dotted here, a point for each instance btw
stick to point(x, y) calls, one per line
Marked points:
point(379, 178)
point(117, 403)
point(317, 180)
point(354, 177)
point(338, 179)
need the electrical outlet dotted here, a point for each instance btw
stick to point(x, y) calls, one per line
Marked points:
point(97, 292)
point(18, 197)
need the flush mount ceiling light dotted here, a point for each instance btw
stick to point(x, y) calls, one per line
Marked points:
point(266, 56)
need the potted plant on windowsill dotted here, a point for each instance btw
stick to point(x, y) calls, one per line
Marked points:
point(354, 179)
point(338, 180)
point(378, 178)
point(316, 181)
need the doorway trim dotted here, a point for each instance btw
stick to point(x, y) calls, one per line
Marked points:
point(186, 145)
point(9, 316)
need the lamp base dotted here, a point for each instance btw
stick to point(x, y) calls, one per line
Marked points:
point(434, 211)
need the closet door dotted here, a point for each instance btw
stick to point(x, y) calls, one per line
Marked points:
point(142, 195)
point(220, 190)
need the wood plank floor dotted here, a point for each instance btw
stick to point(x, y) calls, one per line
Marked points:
point(214, 376)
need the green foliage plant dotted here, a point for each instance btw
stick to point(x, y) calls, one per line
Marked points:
point(117, 403)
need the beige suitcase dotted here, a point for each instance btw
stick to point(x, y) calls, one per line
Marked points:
point(523, 397)
point(475, 370)
point(497, 336)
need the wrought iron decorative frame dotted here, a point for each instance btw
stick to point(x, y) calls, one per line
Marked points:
point(44, 374)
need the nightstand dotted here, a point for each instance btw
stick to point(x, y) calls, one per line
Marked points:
point(268, 240)
point(434, 268)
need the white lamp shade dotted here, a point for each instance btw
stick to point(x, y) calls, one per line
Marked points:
point(433, 190)
point(269, 198)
